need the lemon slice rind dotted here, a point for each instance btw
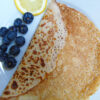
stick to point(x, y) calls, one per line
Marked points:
point(35, 13)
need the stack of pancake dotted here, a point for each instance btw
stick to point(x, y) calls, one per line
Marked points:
point(62, 60)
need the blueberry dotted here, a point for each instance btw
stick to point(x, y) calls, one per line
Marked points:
point(3, 47)
point(1, 52)
point(18, 22)
point(13, 28)
point(14, 50)
point(23, 29)
point(11, 35)
point(3, 57)
point(28, 17)
point(3, 31)
point(20, 41)
point(6, 40)
point(10, 62)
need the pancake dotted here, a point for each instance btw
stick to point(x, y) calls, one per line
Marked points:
point(76, 68)
point(40, 58)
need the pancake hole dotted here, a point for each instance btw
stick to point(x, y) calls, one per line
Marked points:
point(6, 92)
point(14, 85)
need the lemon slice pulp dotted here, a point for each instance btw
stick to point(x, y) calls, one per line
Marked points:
point(36, 7)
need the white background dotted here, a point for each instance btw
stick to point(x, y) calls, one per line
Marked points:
point(8, 13)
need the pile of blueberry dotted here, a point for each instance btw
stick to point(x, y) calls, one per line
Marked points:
point(11, 34)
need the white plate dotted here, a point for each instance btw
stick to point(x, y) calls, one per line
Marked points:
point(8, 13)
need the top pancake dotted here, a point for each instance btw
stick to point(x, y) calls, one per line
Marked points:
point(40, 58)
point(76, 74)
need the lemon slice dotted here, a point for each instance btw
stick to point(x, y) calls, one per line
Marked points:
point(36, 7)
